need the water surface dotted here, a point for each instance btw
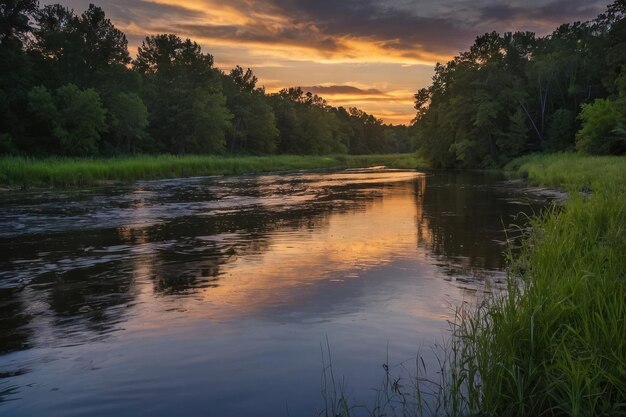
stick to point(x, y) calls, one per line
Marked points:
point(215, 296)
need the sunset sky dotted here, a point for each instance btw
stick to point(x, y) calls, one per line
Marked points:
point(372, 54)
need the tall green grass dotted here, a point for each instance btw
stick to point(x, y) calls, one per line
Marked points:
point(571, 171)
point(67, 172)
point(555, 343)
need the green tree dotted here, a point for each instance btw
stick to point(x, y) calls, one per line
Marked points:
point(105, 53)
point(254, 124)
point(288, 124)
point(602, 131)
point(188, 112)
point(561, 131)
point(128, 121)
point(15, 19)
point(75, 117)
point(59, 47)
point(106, 46)
point(15, 68)
point(603, 128)
point(245, 80)
point(254, 127)
point(87, 50)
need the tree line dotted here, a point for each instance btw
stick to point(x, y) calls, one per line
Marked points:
point(68, 86)
point(516, 93)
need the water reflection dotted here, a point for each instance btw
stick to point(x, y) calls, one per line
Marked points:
point(265, 262)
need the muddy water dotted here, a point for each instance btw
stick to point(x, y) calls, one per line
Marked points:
point(217, 296)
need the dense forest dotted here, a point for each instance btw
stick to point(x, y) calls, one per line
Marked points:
point(516, 93)
point(68, 86)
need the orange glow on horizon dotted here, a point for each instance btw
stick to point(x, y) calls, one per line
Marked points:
point(270, 36)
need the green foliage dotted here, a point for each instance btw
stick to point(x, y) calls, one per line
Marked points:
point(598, 135)
point(513, 93)
point(81, 120)
point(6, 144)
point(128, 121)
point(318, 132)
point(105, 45)
point(245, 80)
point(554, 344)
point(85, 50)
point(603, 123)
point(188, 113)
point(41, 103)
point(14, 19)
point(572, 171)
point(561, 131)
point(75, 117)
point(171, 99)
point(307, 124)
point(254, 126)
point(474, 118)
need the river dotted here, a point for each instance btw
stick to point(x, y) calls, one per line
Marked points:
point(220, 296)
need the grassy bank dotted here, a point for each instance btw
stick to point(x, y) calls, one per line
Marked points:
point(555, 344)
point(67, 172)
point(571, 171)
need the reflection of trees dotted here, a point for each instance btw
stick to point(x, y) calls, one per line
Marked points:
point(95, 273)
point(14, 334)
point(466, 216)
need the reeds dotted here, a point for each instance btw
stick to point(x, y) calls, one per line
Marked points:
point(555, 343)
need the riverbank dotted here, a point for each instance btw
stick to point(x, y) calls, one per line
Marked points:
point(19, 172)
point(571, 171)
point(554, 344)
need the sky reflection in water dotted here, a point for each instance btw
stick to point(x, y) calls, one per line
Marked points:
point(214, 295)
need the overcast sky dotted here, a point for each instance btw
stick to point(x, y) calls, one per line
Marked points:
point(373, 54)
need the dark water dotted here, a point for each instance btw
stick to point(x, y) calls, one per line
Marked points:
point(214, 296)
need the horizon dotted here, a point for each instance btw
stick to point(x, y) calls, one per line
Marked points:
point(366, 54)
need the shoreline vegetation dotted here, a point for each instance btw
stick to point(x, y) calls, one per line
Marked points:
point(552, 344)
point(19, 172)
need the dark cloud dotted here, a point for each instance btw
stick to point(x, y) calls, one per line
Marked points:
point(412, 29)
point(284, 35)
point(127, 11)
point(365, 19)
point(410, 25)
point(555, 12)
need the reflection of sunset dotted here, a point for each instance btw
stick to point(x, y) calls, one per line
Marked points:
point(214, 286)
point(294, 259)
point(278, 242)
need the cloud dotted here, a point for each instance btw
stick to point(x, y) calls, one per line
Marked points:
point(543, 18)
point(405, 32)
point(393, 106)
point(341, 89)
